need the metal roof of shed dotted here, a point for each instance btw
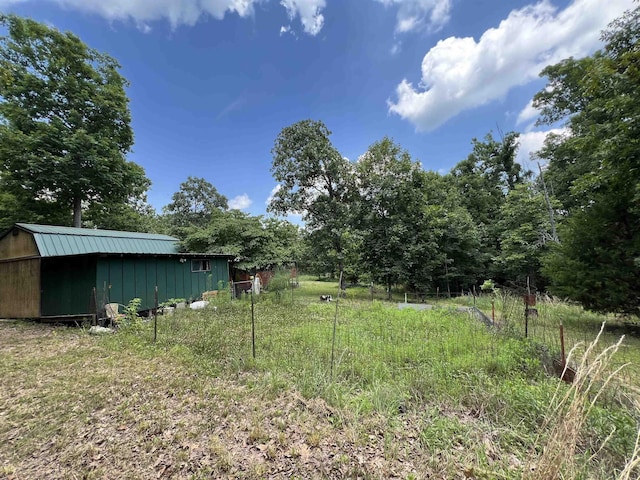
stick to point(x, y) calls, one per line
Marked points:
point(53, 241)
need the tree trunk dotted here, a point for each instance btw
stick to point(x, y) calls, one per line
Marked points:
point(77, 212)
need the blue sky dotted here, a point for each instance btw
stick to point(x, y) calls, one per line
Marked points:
point(214, 81)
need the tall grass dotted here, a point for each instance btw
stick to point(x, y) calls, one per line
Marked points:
point(440, 365)
point(568, 415)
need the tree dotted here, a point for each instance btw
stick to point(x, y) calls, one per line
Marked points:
point(483, 181)
point(134, 216)
point(65, 126)
point(454, 237)
point(525, 234)
point(390, 213)
point(594, 171)
point(487, 175)
point(20, 207)
point(195, 204)
point(316, 181)
point(256, 243)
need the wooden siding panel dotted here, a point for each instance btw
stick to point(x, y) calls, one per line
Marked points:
point(152, 280)
point(140, 268)
point(219, 273)
point(102, 281)
point(129, 280)
point(116, 290)
point(171, 277)
point(18, 244)
point(161, 279)
point(179, 276)
point(20, 289)
point(67, 285)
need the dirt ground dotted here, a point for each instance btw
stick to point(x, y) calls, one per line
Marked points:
point(71, 408)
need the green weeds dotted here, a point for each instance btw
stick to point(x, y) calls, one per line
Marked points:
point(391, 362)
point(435, 391)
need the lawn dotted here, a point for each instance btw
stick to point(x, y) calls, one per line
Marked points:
point(394, 394)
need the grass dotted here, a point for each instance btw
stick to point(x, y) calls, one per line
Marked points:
point(580, 328)
point(411, 394)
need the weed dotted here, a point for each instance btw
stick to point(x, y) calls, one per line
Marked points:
point(433, 393)
point(257, 434)
point(570, 412)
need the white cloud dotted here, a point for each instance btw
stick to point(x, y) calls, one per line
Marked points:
point(414, 14)
point(528, 114)
point(460, 73)
point(187, 12)
point(309, 12)
point(240, 202)
point(274, 190)
point(530, 143)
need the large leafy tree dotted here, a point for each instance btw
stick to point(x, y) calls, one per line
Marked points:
point(65, 122)
point(390, 215)
point(133, 216)
point(454, 237)
point(595, 171)
point(194, 204)
point(198, 214)
point(525, 234)
point(317, 182)
point(19, 206)
point(483, 181)
point(255, 242)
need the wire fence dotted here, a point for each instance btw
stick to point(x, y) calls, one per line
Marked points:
point(364, 342)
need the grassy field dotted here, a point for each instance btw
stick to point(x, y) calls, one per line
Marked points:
point(394, 394)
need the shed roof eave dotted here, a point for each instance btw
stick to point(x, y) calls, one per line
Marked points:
point(168, 255)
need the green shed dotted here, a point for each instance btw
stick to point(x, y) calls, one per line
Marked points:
point(49, 271)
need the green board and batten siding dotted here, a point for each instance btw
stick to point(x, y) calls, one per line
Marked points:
point(126, 278)
point(119, 265)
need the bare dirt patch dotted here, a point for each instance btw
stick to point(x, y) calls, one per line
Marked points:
point(72, 408)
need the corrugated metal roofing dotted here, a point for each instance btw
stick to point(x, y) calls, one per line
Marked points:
point(55, 241)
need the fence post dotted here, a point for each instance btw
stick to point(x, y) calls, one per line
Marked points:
point(253, 328)
point(563, 359)
point(155, 316)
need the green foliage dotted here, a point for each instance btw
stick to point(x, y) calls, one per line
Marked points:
point(483, 181)
point(65, 123)
point(390, 212)
point(525, 234)
point(255, 242)
point(172, 302)
point(486, 176)
point(317, 181)
point(133, 216)
point(194, 205)
point(594, 171)
point(279, 283)
point(454, 239)
point(131, 318)
point(488, 286)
